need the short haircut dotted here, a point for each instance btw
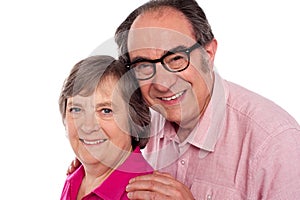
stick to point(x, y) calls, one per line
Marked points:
point(84, 79)
point(189, 8)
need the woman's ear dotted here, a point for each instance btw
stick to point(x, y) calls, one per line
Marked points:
point(66, 129)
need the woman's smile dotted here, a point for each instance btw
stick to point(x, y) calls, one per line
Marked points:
point(92, 142)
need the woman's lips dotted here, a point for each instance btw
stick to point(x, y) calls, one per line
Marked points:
point(92, 142)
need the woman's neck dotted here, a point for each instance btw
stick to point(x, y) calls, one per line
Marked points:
point(96, 174)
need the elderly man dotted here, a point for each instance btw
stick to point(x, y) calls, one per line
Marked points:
point(211, 139)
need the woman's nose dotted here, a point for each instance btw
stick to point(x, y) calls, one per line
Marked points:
point(90, 124)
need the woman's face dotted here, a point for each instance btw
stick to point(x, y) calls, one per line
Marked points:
point(97, 125)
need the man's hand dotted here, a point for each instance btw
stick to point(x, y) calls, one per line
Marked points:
point(73, 166)
point(157, 186)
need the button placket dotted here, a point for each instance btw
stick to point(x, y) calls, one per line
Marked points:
point(182, 167)
point(209, 197)
point(182, 162)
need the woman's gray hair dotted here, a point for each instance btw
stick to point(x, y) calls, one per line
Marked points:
point(87, 74)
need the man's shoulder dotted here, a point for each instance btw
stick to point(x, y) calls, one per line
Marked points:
point(255, 108)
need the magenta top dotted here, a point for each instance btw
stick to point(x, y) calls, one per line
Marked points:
point(114, 186)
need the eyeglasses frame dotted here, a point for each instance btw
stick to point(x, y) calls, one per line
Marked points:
point(161, 60)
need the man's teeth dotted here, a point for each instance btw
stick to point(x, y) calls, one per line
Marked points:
point(172, 97)
point(92, 142)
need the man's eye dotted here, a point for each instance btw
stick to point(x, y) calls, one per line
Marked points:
point(143, 66)
point(176, 58)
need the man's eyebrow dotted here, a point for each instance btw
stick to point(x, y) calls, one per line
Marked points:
point(178, 48)
point(142, 58)
point(139, 59)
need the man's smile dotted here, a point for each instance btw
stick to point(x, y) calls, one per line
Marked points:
point(176, 96)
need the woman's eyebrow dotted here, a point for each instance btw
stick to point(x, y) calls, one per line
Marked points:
point(71, 104)
point(104, 104)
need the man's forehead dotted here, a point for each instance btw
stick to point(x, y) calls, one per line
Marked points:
point(157, 38)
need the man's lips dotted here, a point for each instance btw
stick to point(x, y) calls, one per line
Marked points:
point(92, 142)
point(176, 96)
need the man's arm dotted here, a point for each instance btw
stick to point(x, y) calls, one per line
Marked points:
point(276, 173)
point(73, 166)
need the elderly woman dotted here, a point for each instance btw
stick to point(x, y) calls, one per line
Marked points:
point(107, 123)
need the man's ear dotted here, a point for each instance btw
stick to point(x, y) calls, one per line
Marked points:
point(211, 49)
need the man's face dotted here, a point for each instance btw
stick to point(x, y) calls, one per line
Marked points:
point(179, 96)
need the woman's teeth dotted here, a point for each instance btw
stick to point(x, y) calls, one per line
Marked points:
point(92, 142)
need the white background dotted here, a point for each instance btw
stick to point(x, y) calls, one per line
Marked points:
point(41, 40)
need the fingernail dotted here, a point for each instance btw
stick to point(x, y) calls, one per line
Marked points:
point(129, 195)
point(131, 180)
point(127, 188)
point(68, 171)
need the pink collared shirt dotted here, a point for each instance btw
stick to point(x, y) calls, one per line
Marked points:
point(114, 186)
point(244, 147)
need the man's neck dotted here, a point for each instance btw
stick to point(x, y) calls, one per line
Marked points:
point(181, 132)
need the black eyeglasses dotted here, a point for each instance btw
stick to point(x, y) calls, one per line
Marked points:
point(172, 61)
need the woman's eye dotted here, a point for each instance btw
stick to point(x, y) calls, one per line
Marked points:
point(75, 110)
point(106, 111)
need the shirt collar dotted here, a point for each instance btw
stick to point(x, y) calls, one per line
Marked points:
point(74, 181)
point(208, 129)
point(114, 186)
point(206, 133)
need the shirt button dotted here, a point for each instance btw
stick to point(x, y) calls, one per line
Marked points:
point(209, 197)
point(182, 162)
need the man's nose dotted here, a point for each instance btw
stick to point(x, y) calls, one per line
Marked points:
point(163, 79)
